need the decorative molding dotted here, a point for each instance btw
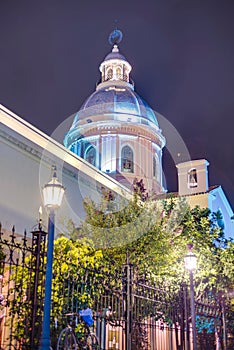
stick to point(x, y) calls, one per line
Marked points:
point(31, 152)
point(19, 145)
point(143, 131)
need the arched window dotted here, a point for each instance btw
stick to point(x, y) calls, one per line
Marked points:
point(109, 74)
point(90, 155)
point(127, 160)
point(118, 73)
point(192, 178)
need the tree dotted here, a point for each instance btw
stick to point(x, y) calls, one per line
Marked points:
point(156, 233)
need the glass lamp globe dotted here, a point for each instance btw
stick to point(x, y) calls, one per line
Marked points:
point(53, 192)
point(190, 261)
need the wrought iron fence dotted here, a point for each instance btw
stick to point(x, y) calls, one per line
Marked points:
point(22, 280)
point(131, 311)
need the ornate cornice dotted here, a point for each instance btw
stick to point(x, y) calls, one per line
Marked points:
point(113, 127)
point(19, 145)
point(31, 152)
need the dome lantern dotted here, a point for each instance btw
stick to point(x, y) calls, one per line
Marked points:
point(115, 66)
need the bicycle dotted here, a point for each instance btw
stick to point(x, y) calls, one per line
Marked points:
point(68, 340)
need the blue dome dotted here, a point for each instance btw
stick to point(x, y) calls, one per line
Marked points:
point(117, 99)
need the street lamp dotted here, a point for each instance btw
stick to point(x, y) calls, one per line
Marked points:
point(52, 196)
point(190, 264)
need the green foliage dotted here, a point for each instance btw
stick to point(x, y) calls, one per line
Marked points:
point(107, 228)
point(156, 234)
point(74, 268)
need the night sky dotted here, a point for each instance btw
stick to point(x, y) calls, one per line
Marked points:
point(181, 52)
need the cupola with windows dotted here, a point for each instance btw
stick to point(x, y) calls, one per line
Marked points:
point(115, 66)
point(115, 129)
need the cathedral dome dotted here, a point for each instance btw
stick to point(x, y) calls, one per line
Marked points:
point(115, 129)
point(120, 102)
point(115, 98)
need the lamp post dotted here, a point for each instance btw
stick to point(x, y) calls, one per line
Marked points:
point(52, 196)
point(39, 240)
point(190, 264)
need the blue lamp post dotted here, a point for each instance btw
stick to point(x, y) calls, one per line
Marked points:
point(190, 264)
point(52, 195)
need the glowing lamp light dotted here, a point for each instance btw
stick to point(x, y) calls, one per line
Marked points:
point(53, 192)
point(190, 261)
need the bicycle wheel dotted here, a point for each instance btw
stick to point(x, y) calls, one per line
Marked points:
point(92, 342)
point(67, 340)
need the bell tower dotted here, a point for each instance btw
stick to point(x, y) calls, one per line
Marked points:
point(193, 177)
